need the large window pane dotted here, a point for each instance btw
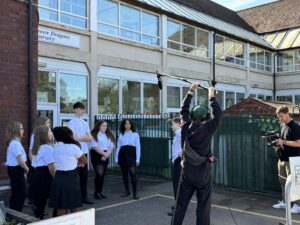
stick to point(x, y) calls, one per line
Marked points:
point(269, 98)
point(72, 20)
point(188, 35)
point(202, 97)
point(202, 39)
point(260, 56)
point(151, 99)
point(48, 14)
point(49, 3)
point(46, 87)
point(130, 18)
point(131, 96)
point(240, 97)
point(108, 96)
point(73, 88)
point(220, 98)
point(108, 12)
point(174, 31)
point(102, 28)
point(150, 40)
point(285, 98)
point(77, 7)
point(173, 97)
point(297, 99)
point(150, 24)
point(229, 47)
point(130, 35)
point(219, 45)
point(230, 99)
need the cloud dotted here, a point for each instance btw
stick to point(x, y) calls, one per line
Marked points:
point(241, 4)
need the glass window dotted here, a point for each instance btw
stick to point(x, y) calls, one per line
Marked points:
point(261, 97)
point(285, 61)
point(202, 39)
point(130, 18)
point(46, 87)
point(276, 42)
point(131, 97)
point(297, 99)
point(150, 29)
point(285, 98)
point(174, 31)
point(49, 3)
point(73, 88)
point(252, 95)
point(240, 97)
point(269, 98)
point(202, 97)
point(173, 97)
point(151, 99)
point(72, 20)
point(48, 14)
point(77, 7)
point(220, 98)
point(188, 35)
point(108, 12)
point(108, 96)
point(260, 59)
point(230, 99)
point(290, 38)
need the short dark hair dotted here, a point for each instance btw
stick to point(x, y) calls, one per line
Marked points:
point(176, 120)
point(78, 105)
point(282, 109)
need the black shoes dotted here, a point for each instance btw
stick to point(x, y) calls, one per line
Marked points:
point(99, 196)
point(87, 201)
point(125, 194)
point(135, 197)
point(103, 196)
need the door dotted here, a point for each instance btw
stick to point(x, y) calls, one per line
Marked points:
point(50, 112)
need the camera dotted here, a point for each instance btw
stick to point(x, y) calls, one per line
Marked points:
point(271, 138)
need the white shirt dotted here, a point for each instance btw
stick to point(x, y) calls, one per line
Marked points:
point(176, 145)
point(15, 149)
point(66, 156)
point(80, 128)
point(31, 142)
point(104, 143)
point(132, 139)
point(44, 156)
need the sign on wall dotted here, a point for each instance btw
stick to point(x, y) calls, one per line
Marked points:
point(58, 37)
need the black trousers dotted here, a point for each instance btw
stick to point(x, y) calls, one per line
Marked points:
point(132, 171)
point(176, 175)
point(18, 187)
point(195, 179)
point(83, 180)
point(100, 168)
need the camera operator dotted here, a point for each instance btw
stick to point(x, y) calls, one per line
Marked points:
point(289, 146)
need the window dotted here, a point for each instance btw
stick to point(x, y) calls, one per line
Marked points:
point(230, 99)
point(202, 97)
point(127, 22)
point(260, 59)
point(187, 39)
point(240, 97)
point(71, 12)
point(229, 50)
point(73, 88)
point(151, 99)
point(297, 99)
point(285, 61)
point(108, 96)
point(285, 98)
point(173, 97)
point(269, 98)
point(46, 87)
point(131, 96)
point(220, 98)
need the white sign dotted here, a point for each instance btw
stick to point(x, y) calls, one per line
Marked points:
point(295, 174)
point(86, 217)
point(58, 37)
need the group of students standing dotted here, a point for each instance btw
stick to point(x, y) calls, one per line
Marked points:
point(58, 173)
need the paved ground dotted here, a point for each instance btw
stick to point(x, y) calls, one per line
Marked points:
point(156, 199)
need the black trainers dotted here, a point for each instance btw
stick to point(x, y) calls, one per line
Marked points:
point(125, 194)
point(87, 201)
point(97, 196)
point(135, 197)
point(103, 196)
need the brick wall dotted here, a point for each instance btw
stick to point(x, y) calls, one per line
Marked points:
point(14, 69)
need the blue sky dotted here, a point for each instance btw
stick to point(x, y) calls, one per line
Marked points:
point(241, 4)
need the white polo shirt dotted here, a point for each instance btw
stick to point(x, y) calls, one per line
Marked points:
point(80, 128)
point(104, 143)
point(176, 145)
point(31, 142)
point(44, 156)
point(66, 156)
point(15, 149)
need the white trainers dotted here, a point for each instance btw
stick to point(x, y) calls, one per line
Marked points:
point(295, 209)
point(280, 205)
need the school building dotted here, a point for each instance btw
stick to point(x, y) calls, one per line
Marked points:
point(105, 53)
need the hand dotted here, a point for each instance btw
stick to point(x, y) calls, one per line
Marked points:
point(76, 138)
point(26, 171)
point(280, 142)
point(137, 164)
point(195, 85)
point(211, 92)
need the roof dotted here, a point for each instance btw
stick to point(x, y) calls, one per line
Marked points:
point(284, 39)
point(254, 106)
point(218, 11)
point(207, 20)
point(275, 16)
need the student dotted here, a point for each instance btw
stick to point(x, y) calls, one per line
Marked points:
point(128, 155)
point(16, 165)
point(176, 156)
point(65, 192)
point(101, 149)
point(82, 134)
point(44, 169)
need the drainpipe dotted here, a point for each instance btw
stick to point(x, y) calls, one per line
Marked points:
point(30, 12)
point(274, 75)
point(214, 60)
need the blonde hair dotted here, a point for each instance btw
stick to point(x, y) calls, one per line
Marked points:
point(282, 109)
point(40, 138)
point(13, 131)
point(41, 120)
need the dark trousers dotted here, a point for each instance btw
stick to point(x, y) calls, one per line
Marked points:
point(194, 179)
point(83, 180)
point(100, 168)
point(18, 187)
point(176, 175)
point(132, 171)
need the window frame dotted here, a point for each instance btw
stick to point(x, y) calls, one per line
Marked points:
point(256, 63)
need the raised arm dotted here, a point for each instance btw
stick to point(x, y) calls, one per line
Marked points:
point(217, 113)
point(185, 108)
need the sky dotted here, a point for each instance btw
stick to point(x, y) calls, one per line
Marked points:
point(241, 4)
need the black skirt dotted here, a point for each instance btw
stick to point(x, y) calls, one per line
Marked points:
point(127, 156)
point(96, 158)
point(65, 192)
point(40, 182)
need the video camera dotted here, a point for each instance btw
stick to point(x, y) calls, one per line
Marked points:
point(271, 138)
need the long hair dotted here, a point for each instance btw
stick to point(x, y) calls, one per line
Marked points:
point(65, 135)
point(13, 131)
point(41, 120)
point(122, 126)
point(41, 137)
point(108, 133)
